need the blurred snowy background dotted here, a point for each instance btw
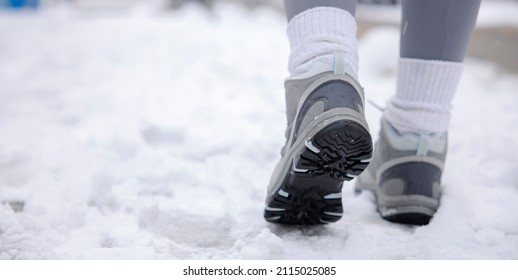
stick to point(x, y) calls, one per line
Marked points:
point(138, 129)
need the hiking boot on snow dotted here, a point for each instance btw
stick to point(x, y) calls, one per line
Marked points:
point(327, 143)
point(405, 174)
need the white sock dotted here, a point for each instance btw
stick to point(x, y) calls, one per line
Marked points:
point(317, 34)
point(424, 94)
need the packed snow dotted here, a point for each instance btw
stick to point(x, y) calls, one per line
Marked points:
point(141, 134)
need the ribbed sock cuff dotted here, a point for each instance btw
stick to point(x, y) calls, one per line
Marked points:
point(424, 94)
point(318, 33)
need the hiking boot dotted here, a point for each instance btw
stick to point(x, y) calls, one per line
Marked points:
point(327, 143)
point(405, 175)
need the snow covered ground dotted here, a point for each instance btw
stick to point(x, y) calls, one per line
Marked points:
point(142, 135)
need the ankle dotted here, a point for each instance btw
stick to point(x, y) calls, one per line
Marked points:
point(317, 34)
point(423, 99)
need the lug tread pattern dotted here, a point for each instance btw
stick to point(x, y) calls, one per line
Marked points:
point(342, 147)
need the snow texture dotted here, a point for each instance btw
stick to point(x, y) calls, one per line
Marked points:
point(152, 135)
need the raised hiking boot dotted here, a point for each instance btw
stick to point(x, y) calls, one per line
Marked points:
point(405, 175)
point(328, 142)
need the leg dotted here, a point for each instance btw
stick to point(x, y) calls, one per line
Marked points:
point(434, 40)
point(405, 173)
point(295, 7)
point(438, 29)
point(328, 140)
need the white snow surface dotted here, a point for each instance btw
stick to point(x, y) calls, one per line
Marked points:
point(141, 135)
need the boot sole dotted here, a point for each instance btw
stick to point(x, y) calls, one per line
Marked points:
point(413, 210)
point(415, 218)
point(311, 192)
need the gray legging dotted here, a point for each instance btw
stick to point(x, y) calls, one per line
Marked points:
point(430, 29)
